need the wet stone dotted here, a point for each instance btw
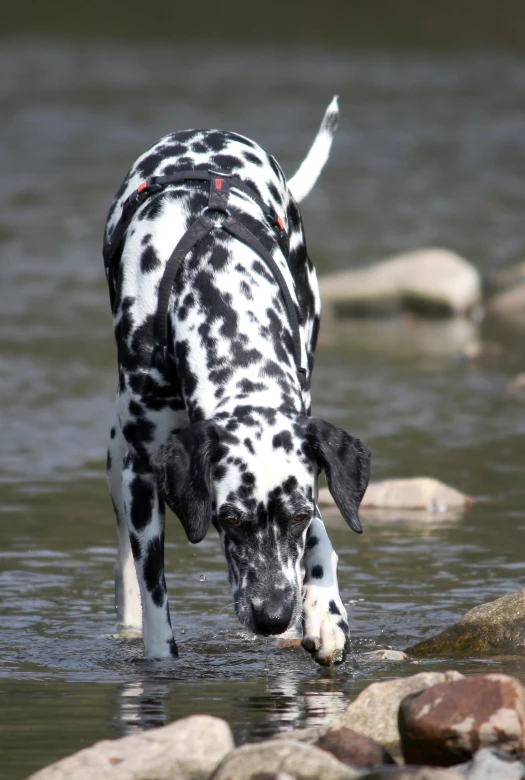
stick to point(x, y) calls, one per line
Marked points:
point(276, 758)
point(374, 712)
point(491, 627)
point(189, 748)
point(413, 773)
point(354, 749)
point(447, 723)
point(428, 281)
point(386, 654)
point(493, 765)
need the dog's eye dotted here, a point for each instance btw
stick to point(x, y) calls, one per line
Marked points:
point(232, 520)
point(299, 518)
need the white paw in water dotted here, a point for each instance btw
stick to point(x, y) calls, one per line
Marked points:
point(325, 625)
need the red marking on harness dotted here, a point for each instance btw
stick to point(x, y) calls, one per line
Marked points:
point(280, 223)
point(218, 184)
point(142, 186)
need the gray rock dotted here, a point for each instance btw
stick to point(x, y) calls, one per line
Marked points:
point(413, 773)
point(190, 748)
point(354, 749)
point(374, 712)
point(494, 626)
point(429, 281)
point(509, 305)
point(507, 277)
point(490, 764)
point(268, 760)
point(385, 654)
point(415, 493)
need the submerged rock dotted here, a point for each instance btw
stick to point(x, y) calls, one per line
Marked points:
point(189, 748)
point(274, 758)
point(374, 712)
point(447, 723)
point(490, 764)
point(509, 305)
point(415, 493)
point(491, 627)
point(413, 773)
point(385, 654)
point(354, 749)
point(428, 281)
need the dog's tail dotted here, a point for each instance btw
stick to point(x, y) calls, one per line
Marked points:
point(304, 179)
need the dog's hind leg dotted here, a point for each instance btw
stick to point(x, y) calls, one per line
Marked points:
point(145, 517)
point(127, 594)
point(325, 623)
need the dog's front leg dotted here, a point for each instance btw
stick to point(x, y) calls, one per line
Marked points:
point(325, 624)
point(145, 516)
point(127, 594)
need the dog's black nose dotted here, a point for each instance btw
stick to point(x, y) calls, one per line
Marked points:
point(272, 616)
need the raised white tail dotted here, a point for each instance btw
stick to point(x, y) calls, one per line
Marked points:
point(304, 179)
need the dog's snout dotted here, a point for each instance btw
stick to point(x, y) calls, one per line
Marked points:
point(274, 615)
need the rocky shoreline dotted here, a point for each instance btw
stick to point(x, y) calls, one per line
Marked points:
point(431, 725)
point(427, 726)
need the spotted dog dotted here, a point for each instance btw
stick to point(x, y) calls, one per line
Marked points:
point(221, 430)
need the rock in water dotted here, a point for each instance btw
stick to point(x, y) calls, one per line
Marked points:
point(492, 627)
point(271, 759)
point(493, 765)
point(414, 493)
point(354, 749)
point(448, 722)
point(189, 749)
point(374, 712)
point(413, 773)
point(429, 281)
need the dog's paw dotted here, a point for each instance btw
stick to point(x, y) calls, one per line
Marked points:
point(325, 625)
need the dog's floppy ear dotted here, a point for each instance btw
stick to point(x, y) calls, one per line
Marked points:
point(182, 467)
point(346, 462)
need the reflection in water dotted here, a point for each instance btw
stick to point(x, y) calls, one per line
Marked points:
point(139, 706)
point(294, 705)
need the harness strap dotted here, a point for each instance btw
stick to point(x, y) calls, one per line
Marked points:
point(220, 185)
point(240, 231)
point(156, 184)
point(196, 232)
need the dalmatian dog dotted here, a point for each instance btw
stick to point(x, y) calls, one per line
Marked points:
point(222, 432)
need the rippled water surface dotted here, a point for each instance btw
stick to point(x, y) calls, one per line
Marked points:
point(430, 150)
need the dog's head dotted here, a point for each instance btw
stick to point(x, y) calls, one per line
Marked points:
point(254, 476)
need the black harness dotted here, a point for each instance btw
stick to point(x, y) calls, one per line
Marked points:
point(220, 184)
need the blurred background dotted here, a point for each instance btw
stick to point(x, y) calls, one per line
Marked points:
point(430, 151)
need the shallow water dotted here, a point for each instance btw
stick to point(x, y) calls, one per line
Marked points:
point(426, 153)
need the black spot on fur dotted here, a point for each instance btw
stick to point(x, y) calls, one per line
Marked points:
point(317, 572)
point(333, 608)
point(149, 260)
point(112, 432)
point(135, 546)
point(153, 566)
point(226, 162)
point(252, 158)
point(311, 542)
point(290, 485)
point(284, 440)
point(141, 502)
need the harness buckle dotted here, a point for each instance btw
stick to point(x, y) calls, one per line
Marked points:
point(226, 212)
